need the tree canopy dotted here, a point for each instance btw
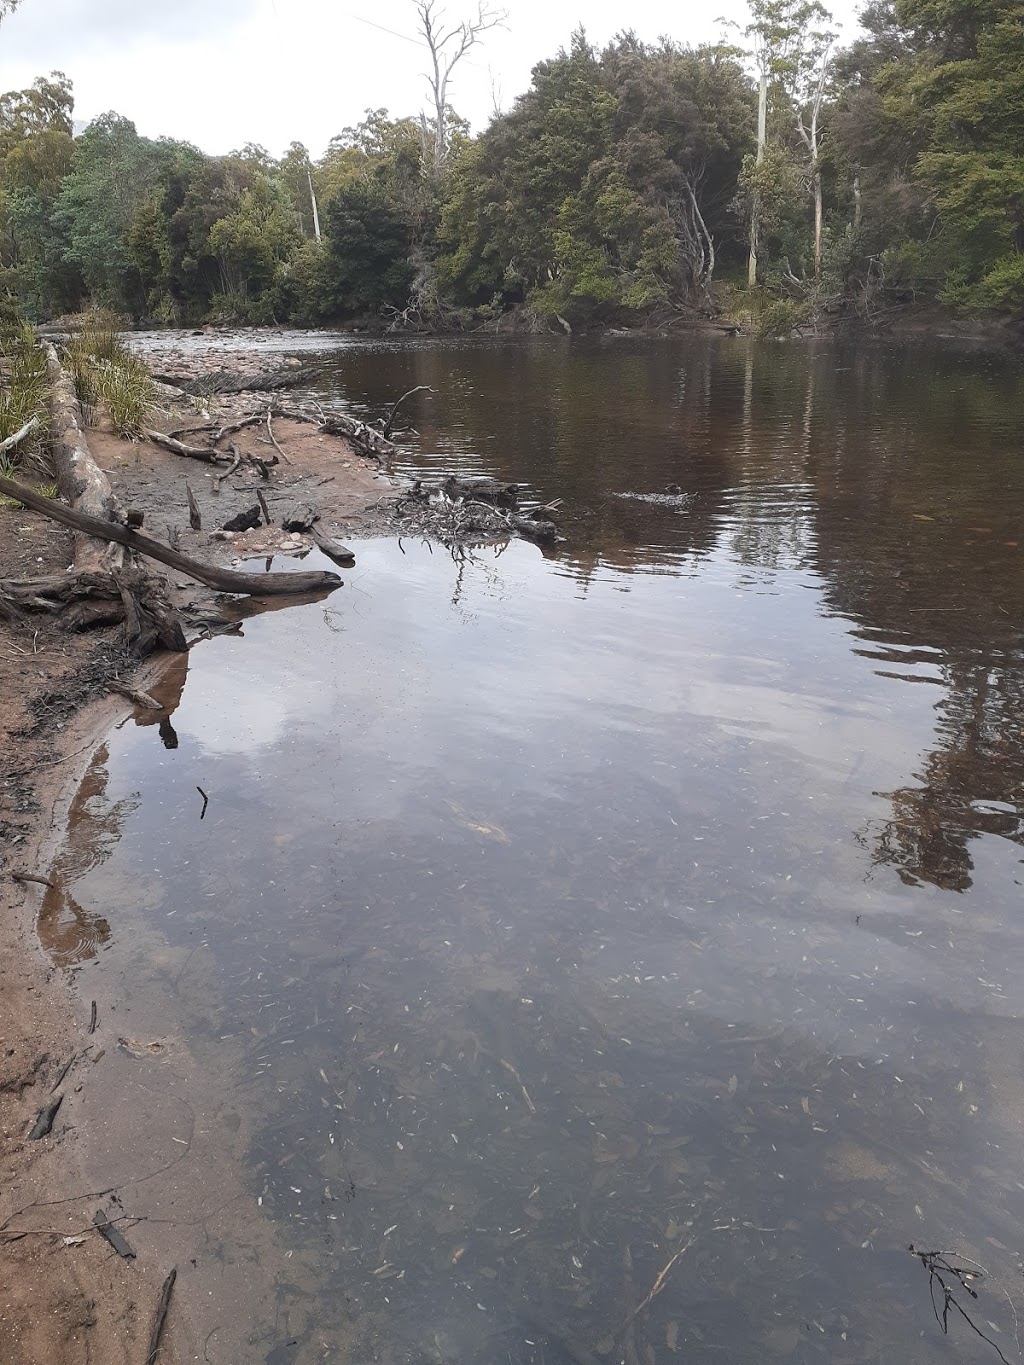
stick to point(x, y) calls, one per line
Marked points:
point(624, 184)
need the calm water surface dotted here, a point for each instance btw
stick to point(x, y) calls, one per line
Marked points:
point(657, 894)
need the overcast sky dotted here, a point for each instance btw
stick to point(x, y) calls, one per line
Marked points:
point(220, 73)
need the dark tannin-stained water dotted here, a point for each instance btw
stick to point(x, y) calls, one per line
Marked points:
point(620, 949)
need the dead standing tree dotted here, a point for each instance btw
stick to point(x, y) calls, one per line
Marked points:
point(448, 43)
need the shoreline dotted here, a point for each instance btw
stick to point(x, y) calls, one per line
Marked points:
point(65, 1297)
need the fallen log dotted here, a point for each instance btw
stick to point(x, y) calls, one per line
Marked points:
point(223, 580)
point(79, 477)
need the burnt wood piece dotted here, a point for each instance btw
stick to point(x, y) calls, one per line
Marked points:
point(244, 521)
point(44, 1123)
point(299, 518)
point(110, 1233)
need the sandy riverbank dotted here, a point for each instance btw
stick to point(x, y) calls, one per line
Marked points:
point(141, 1134)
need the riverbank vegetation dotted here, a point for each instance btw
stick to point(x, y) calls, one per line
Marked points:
point(626, 186)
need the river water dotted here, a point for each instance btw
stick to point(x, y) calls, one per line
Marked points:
point(642, 916)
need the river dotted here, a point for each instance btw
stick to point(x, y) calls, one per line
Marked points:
point(616, 952)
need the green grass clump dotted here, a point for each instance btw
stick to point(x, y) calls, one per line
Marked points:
point(24, 394)
point(105, 371)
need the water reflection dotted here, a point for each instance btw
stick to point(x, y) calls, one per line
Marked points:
point(585, 919)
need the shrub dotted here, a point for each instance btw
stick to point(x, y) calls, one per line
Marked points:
point(781, 317)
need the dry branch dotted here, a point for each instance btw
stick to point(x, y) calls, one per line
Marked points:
point(18, 436)
point(179, 448)
point(224, 580)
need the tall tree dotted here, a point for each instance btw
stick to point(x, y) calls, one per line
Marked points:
point(790, 44)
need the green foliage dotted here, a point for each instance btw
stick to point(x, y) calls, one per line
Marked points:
point(619, 186)
point(781, 317)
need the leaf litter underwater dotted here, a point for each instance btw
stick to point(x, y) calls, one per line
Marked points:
point(587, 987)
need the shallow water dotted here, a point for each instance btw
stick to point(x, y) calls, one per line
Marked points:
point(658, 893)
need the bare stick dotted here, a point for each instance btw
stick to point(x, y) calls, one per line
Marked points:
point(659, 1283)
point(206, 802)
point(139, 698)
point(18, 436)
point(195, 518)
point(178, 448)
point(266, 510)
point(236, 460)
point(31, 877)
point(161, 1317)
point(273, 438)
point(224, 580)
point(389, 421)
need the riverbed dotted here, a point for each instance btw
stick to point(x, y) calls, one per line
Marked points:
point(613, 951)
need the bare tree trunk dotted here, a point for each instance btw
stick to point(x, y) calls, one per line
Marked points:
point(857, 205)
point(817, 220)
point(79, 477)
point(447, 47)
point(762, 127)
point(316, 212)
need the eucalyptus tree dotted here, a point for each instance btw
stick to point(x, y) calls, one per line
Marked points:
point(448, 42)
point(790, 43)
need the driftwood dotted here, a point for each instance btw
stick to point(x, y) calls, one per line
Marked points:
point(203, 453)
point(299, 518)
point(223, 580)
point(142, 699)
point(106, 598)
point(387, 426)
point(160, 1317)
point(365, 440)
point(79, 477)
point(234, 381)
point(333, 549)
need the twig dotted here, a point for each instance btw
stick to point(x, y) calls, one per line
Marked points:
point(388, 423)
point(938, 1264)
point(273, 438)
point(63, 1072)
point(93, 1018)
point(31, 877)
point(206, 802)
point(236, 460)
point(161, 1317)
point(266, 510)
point(659, 1283)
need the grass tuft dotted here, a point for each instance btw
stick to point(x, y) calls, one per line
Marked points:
point(106, 372)
point(24, 394)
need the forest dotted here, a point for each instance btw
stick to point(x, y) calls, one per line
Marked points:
point(627, 186)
